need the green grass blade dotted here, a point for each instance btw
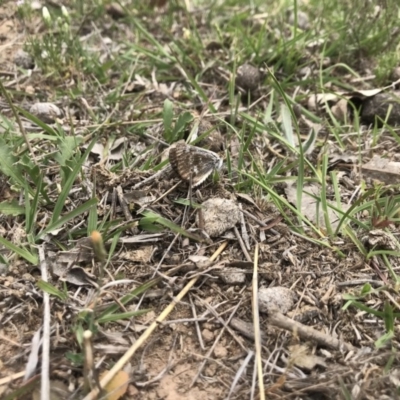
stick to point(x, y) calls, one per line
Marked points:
point(52, 290)
point(68, 217)
point(119, 316)
point(68, 185)
point(158, 219)
point(11, 208)
point(22, 252)
point(129, 297)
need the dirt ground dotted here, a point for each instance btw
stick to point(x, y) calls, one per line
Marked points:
point(205, 348)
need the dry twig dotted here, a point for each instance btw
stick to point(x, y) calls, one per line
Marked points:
point(127, 356)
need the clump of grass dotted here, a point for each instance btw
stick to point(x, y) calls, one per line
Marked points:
point(59, 51)
point(386, 64)
point(357, 32)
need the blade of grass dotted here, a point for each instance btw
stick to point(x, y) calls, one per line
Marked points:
point(128, 297)
point(68, 217)
point(68, 184)
point(31, 209)
point(28, 256)
point(119, 316)
point(170, 225)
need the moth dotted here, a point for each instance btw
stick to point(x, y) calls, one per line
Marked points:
point(193, 164)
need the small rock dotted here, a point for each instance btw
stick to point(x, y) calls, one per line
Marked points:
point(28, 278)
point(210, 370)
point(3, 269)
point(396, 74)
point(133, 392)
point(207, 335)
point(201, 262)
point(375, 109)
point(217, 216)
point(275, 298)
point(115, 11)
point(302, 20)
point(305, 71)
point(233, 278)
point(208, 325)
point(24, 60)
point(220, 351)
point(248, 77)
point(46, 112)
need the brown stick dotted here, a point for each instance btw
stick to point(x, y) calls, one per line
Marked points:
point(305, 332)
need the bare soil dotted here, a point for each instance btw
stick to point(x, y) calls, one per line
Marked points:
point(198, 352)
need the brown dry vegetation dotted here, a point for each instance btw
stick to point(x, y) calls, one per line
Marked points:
point(288, 111)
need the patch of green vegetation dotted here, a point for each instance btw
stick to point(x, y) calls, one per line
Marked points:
point(170, 68)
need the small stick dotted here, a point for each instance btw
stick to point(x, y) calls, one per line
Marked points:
point(145, 335)
point(88, 364)
point(245, 235)
point(305, 332)
point(196, 323)
point(242, 245)
point(210, 351)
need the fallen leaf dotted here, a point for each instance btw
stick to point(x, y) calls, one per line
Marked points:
point(383, 170)
point(311, 207)
point(301, 357)
point(117, 387)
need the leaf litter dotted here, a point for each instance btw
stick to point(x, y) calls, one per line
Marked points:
point(201, 350)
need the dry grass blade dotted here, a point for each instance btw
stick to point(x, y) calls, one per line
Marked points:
point(97, 96)
point(128, 355)
point(8, 379)
point(217, 339)
point(239, 373)
point(256, 321)
point(45, 378)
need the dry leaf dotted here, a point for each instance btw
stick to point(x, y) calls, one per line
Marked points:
point(373, 104)
point(75, 275)
point(301, 357)
point(117, 149)
point(65, 264)
point(142, 255)
point(383, 170)
point(97, 149)
point(339, 110)
point(139, 197)
point(248, 198)
point(311, 207)
point(117, 387)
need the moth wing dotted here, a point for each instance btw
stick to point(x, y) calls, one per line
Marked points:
point(178, 158)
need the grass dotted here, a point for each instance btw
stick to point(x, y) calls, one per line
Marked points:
point(152, 73)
